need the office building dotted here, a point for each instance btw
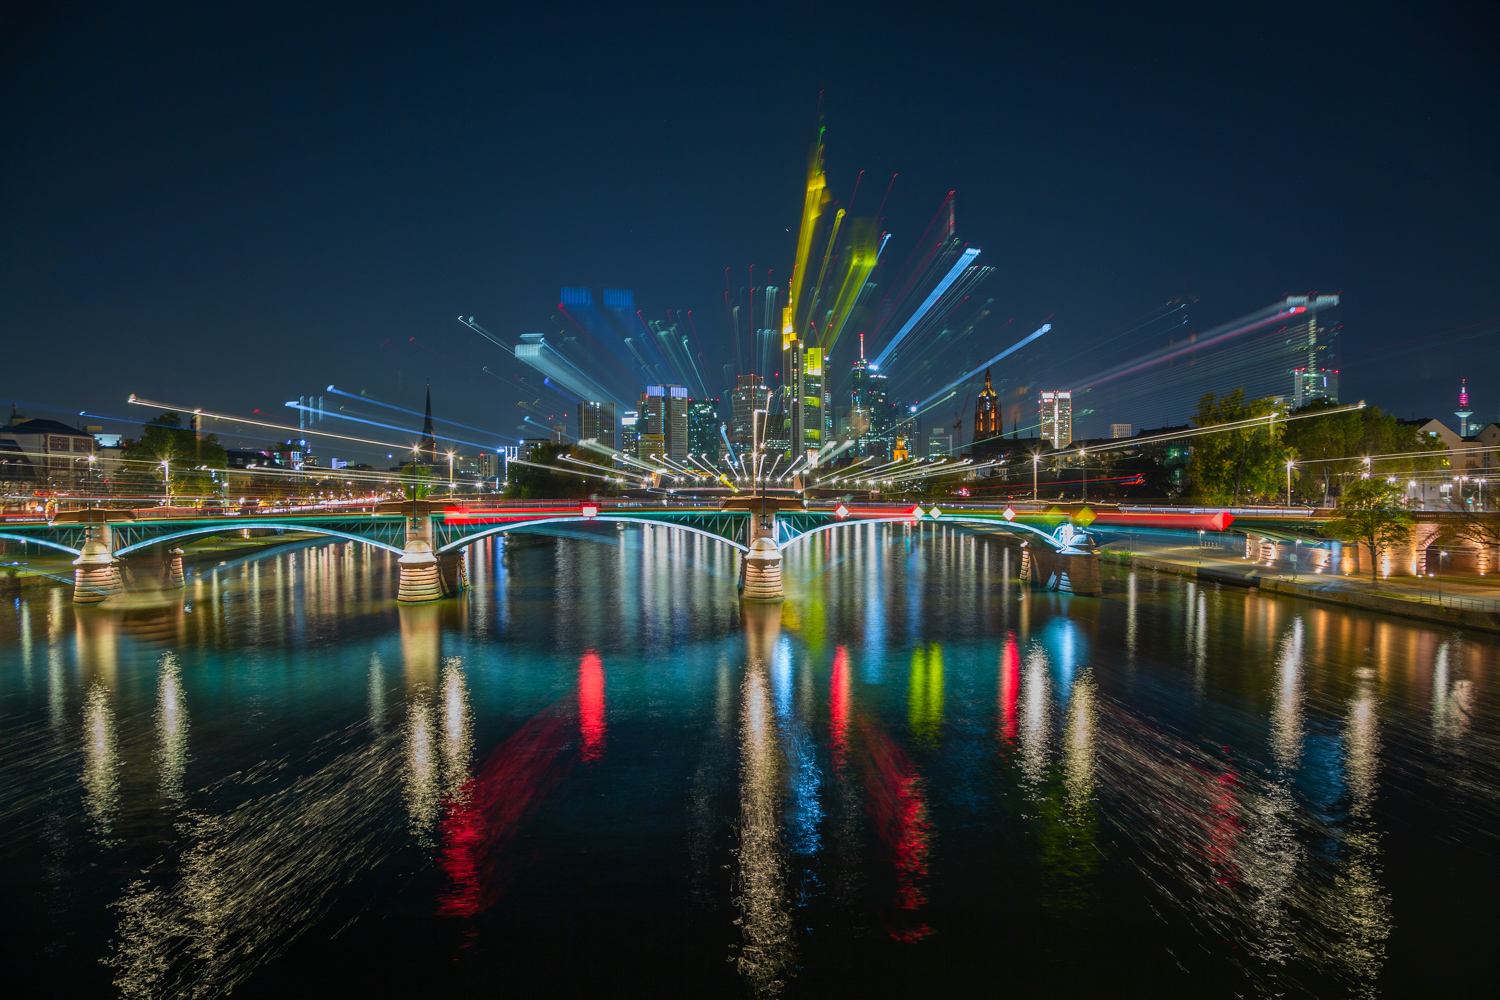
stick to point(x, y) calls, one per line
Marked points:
point(749, 395)
point(1057, 417)
point(939, 442)
point(597, 421)
point(630, 435)
point(703, 429)
point(663, 423)
point(1118, 431)
point(1311, 343)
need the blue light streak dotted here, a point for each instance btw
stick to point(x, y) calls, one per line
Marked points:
point(958, 268)
point(965, 377)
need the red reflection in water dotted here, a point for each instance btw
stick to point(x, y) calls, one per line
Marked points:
point(485, 817)
point(1010, 688)
point(591, 705)
point(1225, 829)
point(898, 806)
point(838, 707)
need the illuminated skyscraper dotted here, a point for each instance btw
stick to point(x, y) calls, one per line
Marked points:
point(748, 396)
point(1311, 343)
point(703, 429)
point(630, 435)
point(872, 417)
point(814, 429)
point(663, 422)
point(597, 420)
point(1057, 417)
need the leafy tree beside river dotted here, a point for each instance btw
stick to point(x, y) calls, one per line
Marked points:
point(190, 459)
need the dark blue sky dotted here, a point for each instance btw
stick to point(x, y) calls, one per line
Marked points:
point(228, 205)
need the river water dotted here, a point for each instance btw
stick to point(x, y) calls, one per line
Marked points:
point(597, 771)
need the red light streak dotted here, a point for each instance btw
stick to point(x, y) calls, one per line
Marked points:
point(489, 812)
point(898, 805)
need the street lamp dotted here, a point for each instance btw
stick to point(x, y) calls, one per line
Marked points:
point(450, 473)
point(166, 479)
point(1289, 466)
point(1442, 554)
point(1366, 473)
point(1035, 460)
point(1084, 463)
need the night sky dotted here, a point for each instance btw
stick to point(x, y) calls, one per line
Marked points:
point(229, 205)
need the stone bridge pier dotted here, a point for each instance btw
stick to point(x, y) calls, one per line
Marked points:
point(426, 574)
point(96, 571)
point(760, 571)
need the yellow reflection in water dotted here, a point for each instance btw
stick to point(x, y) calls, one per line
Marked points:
point(1359, 908)
point(1286, 706)
point(458, 737)
point(925, 698)
point(101, 762)
point(766, 946)
point(171, 729)
point(1452, 701)
point(1035, 716)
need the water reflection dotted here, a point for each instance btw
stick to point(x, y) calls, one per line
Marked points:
point(101, 761)
point(1452, 701)
point(765, 953)
point(1232, 817)
point(171, 729)
point(925, 700)
point(591, 705)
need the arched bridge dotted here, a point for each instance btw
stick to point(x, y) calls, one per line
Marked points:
point(430, 538)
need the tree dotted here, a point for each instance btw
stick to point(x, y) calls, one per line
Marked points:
point(190, 459)
point(1246, 463)
point(1372, 512)
point(418, 480)
point(1332, 447)
point(529, 482)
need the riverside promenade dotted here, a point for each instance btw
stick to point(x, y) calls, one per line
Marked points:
point(1466, 601)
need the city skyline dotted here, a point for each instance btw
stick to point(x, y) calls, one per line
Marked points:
point(358, 308)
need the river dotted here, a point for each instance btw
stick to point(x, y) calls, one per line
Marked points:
point(596, 770)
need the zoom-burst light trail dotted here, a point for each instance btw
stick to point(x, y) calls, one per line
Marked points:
point(294, 405)
point(292, 432)
point(958, 268)
point(414, 413)
point(1275, 313)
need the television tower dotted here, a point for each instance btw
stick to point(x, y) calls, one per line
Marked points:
point(1463, 413)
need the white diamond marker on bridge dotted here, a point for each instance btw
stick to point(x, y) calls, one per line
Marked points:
point(842, 511)
point(1010, 514)
point(934, 512)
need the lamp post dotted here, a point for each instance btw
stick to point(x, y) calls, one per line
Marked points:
point(1289, 464)
point(1084, 462)
point(1035, 461)
point(166, 479)
point(1442, 554)
point(450, 473)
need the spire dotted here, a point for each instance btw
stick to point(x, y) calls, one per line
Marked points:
point(429, 442)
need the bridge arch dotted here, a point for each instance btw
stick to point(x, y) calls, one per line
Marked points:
point(989, 522)
point(40, 541)
point(222, 529)
point(497, 529)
